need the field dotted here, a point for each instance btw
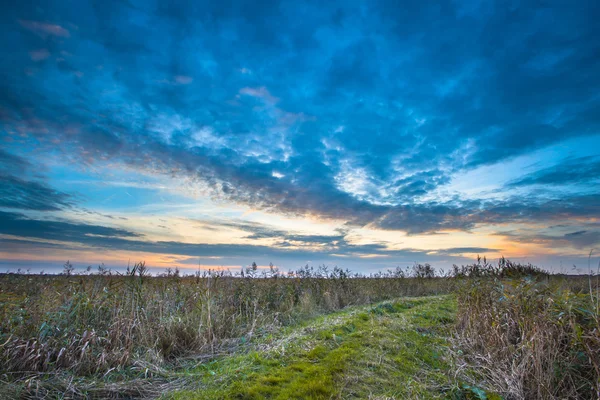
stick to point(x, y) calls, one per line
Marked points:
point(482, 332)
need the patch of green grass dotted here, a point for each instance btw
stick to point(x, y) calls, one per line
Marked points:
point(393, 350)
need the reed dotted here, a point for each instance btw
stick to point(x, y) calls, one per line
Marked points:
point(529, 335)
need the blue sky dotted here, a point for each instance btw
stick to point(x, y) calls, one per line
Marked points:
point(360, 134)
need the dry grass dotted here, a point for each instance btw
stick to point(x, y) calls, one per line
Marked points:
point(529, 335)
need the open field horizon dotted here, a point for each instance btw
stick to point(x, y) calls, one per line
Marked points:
point(586, 267)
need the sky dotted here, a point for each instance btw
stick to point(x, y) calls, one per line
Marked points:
point(360, 134)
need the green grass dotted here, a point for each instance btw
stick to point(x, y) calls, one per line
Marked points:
point(392, 350)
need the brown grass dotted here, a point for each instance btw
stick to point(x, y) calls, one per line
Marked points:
point(530, 335)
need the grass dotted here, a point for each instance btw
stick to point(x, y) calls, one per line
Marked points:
point(531, 336)
point(486, 331)
point(93, 324)
point(393, 350)
point(94, 334)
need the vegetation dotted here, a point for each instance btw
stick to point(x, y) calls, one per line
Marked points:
point(394, 349)
point(484, 331)
point(529, 336)
point(69, 326)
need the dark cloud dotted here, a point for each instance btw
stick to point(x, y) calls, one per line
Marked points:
point(261, 231)
point(23, 188)
point(316, 239)
point(31, 195)
point(256, 230)
point(583, 239)
point(561, 236)
point(18, 224)
point(10, 163)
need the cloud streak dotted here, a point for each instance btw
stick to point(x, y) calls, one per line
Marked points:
point(585, 170)
point(74, 235)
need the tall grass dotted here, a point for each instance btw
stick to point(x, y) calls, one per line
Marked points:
point(527, 334)
point(522, 332)
point(95, 324)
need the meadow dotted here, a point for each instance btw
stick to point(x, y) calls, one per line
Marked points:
point(481, 331)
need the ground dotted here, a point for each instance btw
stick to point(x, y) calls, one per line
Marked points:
point(391, 350)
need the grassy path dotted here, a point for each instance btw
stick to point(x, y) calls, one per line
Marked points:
point(393, 350)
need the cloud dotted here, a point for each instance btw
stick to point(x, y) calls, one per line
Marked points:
point(183, 79)
point(45, 29)
point(282, 237)
point(416, 109)
point(11, 163)
point(17, 224)
point(561, 236)
point(23, 230)
point(31, 195)
point(467, 250)
point(39, 55)
point(583, 170)
point(583, 239)
point(22, 188)
point(260, 93)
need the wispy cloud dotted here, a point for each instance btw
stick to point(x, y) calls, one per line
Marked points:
point(260, 93)
point(39, 55)
point(45, 29)
point(183, 79)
